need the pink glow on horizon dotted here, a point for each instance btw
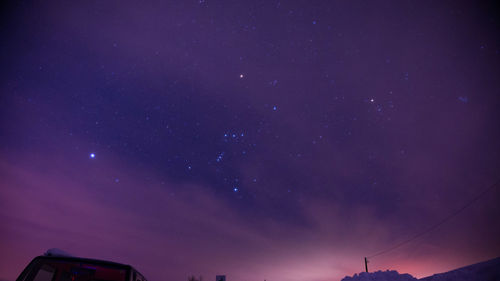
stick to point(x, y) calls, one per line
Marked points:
point(170, 232)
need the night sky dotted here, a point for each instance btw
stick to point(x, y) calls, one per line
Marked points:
point(276, 140)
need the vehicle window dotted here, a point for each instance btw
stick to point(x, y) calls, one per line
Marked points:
point(76, 271)
point(45, 273)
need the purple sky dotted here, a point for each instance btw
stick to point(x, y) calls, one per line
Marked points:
point(264, 140)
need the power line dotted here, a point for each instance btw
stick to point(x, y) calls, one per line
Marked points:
point(439, 223)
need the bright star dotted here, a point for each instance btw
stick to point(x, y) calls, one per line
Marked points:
point(241, 76)
point(372, 100)
point(92, 155)
point(235, 189)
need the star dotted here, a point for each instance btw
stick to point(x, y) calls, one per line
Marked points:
point(241, 76)
point(92, 155)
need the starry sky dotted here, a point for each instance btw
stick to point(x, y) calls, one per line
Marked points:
point(263, 140)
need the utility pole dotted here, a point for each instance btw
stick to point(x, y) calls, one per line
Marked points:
point(366, 264)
